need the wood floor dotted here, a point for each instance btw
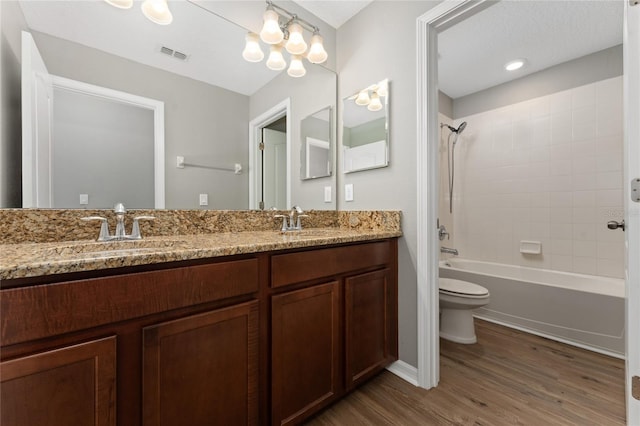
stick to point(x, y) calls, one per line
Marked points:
point(507, 378)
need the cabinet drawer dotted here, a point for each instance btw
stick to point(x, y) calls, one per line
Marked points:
point(30, 313)
point(303, 266)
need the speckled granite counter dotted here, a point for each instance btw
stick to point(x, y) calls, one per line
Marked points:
point(47, 258)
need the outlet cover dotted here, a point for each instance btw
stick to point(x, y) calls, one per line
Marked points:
point(84, 199)
point(327, 194)
point(204, 199)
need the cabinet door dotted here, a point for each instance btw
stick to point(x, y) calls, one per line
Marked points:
point(305, 351)
point(370, 325)
point(74, 385)
point(202, 369)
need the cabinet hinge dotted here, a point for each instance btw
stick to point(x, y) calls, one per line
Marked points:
point(635, 387)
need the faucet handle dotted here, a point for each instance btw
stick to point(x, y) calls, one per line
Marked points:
point(104, 227)
point(298, 223)
point(284, 221)
point(135, 231)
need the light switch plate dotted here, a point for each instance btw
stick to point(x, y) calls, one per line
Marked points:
point(348, 192)
point(204, 199)
point(84, 199)
point(327, 194)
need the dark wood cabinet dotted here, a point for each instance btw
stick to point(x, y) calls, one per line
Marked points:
point(252, 339)
point(202, 369)
point(370, 324)
point(305, 351)
point(74, 385)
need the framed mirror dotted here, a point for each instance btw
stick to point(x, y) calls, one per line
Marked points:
point(316, 145)
point(195, 68)
point(365, 128)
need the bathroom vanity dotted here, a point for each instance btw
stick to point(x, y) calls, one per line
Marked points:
point(263, 334)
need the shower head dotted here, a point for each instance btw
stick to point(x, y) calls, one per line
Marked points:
point(453, 129)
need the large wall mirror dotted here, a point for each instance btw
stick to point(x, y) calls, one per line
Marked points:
point(316, 141)
point(365, 128)
point(209, 95)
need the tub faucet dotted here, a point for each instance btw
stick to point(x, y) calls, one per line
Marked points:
point(448, 250)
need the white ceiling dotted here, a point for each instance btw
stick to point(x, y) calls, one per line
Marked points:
point(334, 12)
point(473, 53)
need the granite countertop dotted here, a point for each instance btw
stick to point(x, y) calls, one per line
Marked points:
point(38, 259)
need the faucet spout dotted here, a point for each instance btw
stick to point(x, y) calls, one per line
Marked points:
point(448, 250)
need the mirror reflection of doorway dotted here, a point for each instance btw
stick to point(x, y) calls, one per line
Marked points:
point(273, 152)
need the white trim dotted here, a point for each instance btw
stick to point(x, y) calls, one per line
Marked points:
point(276, 112)
point(435, 20)
point(631, 89)
point(127, 98)
point(405, 371)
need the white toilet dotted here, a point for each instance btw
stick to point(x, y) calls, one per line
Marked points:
point(457, 300)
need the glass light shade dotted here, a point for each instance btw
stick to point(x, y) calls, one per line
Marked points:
point(296, 68)
point(363, 98)
point(276, 61)
point(157, 11)
point(383, 89)
point(296, 44)
point(120, 4)
point(271, 32)
point(317, 54)
point(375, 104)
point(252, 51)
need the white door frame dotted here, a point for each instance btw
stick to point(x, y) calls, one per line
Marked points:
point(631, 78)
point(282, 109)
point(435, 20)
point(138, 101)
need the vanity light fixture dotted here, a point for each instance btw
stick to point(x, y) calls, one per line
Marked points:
point(375, 104)
point(155, 10)
point(282, 28)
point(363, 97)
point(516, 64)
point(121, 4)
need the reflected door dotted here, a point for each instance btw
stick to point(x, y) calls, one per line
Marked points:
point(274, 169)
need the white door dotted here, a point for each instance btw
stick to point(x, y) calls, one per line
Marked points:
point(37, 107)
point(632, 208)
point(274, 169)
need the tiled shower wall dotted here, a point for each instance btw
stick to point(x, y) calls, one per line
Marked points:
point(548, 170)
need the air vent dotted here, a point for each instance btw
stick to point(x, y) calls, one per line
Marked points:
point(170, 52)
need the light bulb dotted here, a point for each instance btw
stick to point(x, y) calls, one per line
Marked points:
point(120, 4)
point(271, 32)
point(296, 69)
point(317, 54)
point(276, 61)
point(157, 11)
point(252, 51)
point(296, 44)
point(514, 65)
point(363, 97)
point(375, 104)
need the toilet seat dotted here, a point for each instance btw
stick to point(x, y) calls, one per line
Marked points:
point(462, 288)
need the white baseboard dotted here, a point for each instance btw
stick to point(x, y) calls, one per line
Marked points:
point(405, 371)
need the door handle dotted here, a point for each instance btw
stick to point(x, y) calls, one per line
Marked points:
point(615, 225)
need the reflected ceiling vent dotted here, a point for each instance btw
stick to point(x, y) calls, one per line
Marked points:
point(170, 52)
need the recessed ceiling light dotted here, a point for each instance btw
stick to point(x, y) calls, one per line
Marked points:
point(514, 65)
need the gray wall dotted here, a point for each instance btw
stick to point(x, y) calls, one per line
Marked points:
point(103, 149)
point(320, 129)
point(587, 69)
point(364, 57)
point(309, 194)
point(204, 123)
point(11, 24)
point(372, 131)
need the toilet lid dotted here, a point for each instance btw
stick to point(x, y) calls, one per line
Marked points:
point(461, 287)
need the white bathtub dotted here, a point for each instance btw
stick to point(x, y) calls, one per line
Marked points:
point(582, 310)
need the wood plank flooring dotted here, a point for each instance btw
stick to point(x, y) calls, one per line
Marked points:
point(507, 378)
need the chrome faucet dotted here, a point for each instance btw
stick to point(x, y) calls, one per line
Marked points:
point(294, 219)
point(120, 233)
point(448, 250)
